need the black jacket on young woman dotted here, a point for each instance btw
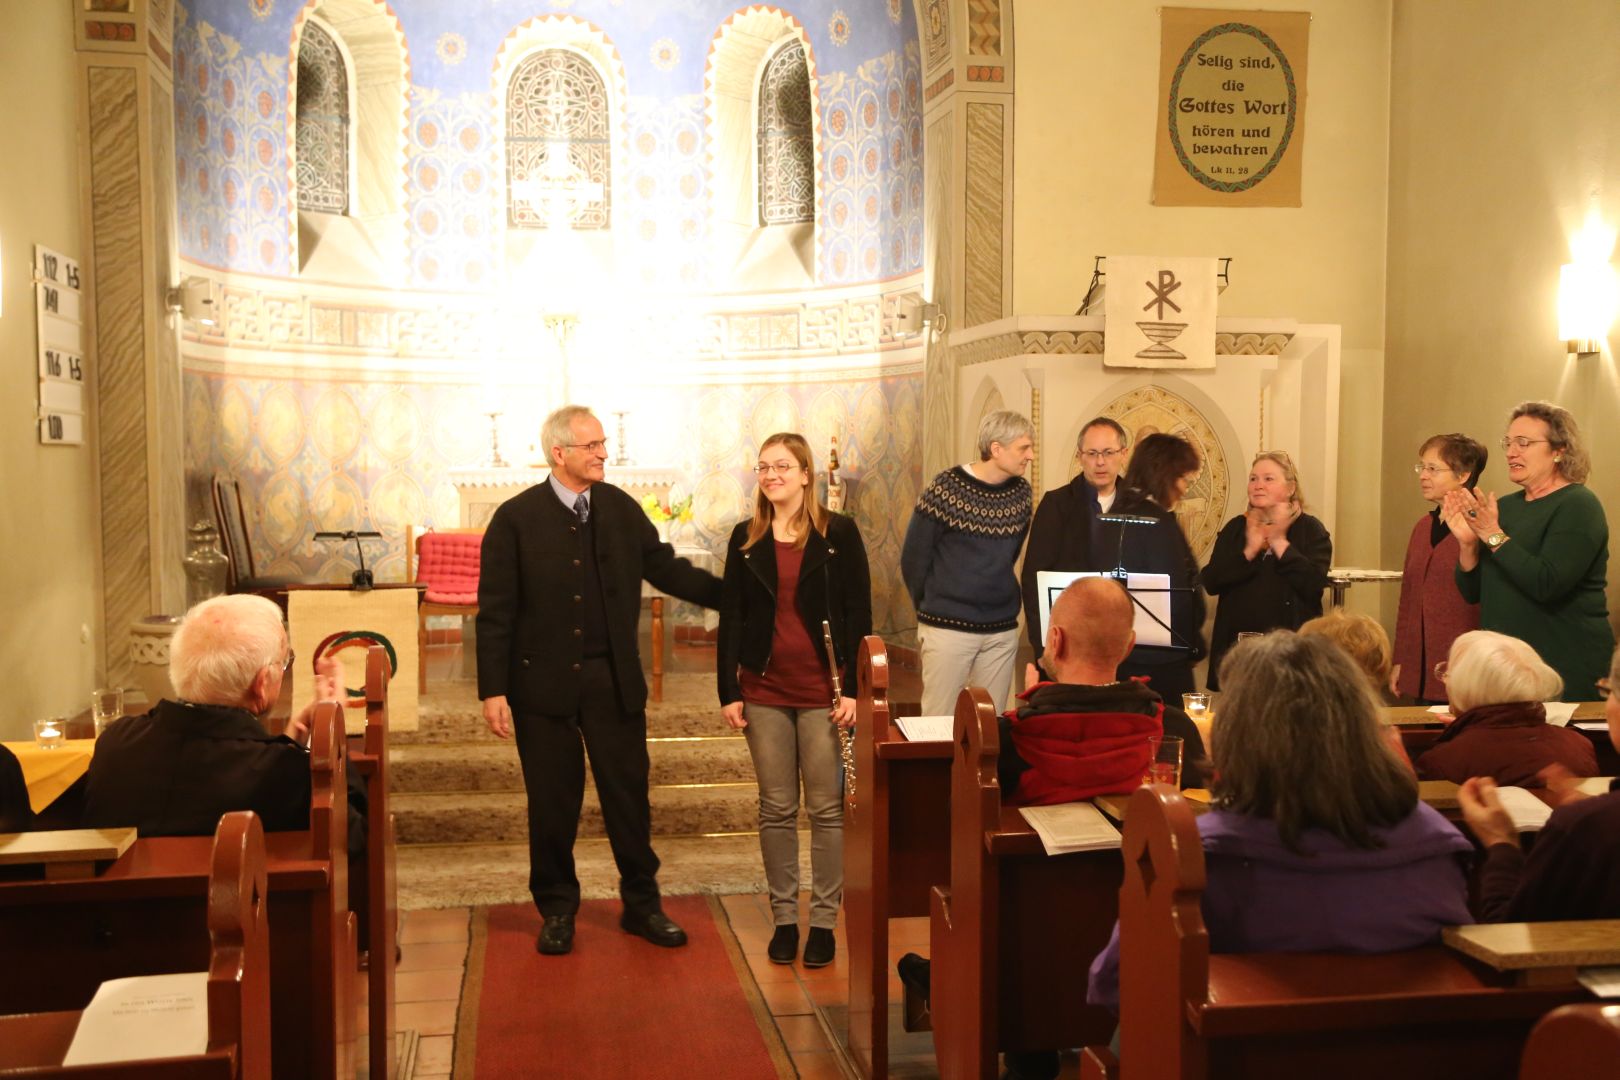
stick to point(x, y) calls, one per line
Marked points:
point(834, 584)
point(1162, 548)
point(1265, 593)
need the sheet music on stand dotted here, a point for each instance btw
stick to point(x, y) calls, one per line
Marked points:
point(1151, 592)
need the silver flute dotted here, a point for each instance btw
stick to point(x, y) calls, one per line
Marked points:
point(846, 737)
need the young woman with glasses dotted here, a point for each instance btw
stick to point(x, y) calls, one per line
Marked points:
point(789, 568)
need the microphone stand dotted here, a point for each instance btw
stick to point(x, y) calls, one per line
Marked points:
point(1120, 574)
point(361, 579)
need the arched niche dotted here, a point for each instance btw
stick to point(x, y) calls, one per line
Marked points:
point(583, 255)
point(368, 242)
point(765, 256)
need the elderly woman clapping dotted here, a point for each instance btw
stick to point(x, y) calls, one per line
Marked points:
point(1497, 685)
point(1536, 561)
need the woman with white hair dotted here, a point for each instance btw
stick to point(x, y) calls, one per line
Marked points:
point(1496, 685)
point(1537, 561)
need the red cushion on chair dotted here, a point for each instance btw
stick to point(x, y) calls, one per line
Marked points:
point(447, 563)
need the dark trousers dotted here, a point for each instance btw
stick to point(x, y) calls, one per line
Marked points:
point(553, 757)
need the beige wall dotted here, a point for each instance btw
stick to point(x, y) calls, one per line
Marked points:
point(1087, 87)
point(1503, 140)
point(49, 622)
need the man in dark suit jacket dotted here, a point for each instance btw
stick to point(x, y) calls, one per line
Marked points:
point(176, 769)
point(559, 602)
point(1066, 534)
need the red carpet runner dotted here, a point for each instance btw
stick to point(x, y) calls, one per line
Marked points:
point(617, 1006)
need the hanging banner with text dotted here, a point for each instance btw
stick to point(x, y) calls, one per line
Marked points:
point(1231, 128)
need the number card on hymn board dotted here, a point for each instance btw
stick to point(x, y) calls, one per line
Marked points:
point(57, 302)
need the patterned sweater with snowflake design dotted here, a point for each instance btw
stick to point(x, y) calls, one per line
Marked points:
point(960, 549)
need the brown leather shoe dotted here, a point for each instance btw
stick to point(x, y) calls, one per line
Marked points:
point(556, 936)
point(656, 927)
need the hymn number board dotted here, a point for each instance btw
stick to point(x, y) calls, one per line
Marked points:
point(58, 293)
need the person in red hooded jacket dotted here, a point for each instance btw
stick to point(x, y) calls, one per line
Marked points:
point(1085, 732)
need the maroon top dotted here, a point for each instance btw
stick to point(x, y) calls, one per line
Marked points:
point(1509, 743)
point(796, 673)
point(1432, 612)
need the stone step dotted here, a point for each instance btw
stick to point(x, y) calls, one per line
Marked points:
point(450, 712)
point(456, 875)
point(501, 816)
point(493, 765)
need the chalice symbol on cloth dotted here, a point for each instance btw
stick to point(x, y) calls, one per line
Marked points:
point(1160, 332)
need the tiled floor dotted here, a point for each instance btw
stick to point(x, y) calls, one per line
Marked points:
point(427, 987)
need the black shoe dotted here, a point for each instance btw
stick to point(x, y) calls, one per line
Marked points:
point(784, 948)
point(916, 973)
point(657, 928)
point(819, 947)
point(556, 935)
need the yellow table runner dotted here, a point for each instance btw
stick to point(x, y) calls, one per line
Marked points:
point(48, 773)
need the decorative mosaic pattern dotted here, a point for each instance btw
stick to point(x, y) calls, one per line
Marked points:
point(451, 173)
point(787, 165)
point(984, 27)
point(557, 128)
point(872, 139)
point(937, 31)
point(322, 123)
point(1151, 410)
point(231, 172)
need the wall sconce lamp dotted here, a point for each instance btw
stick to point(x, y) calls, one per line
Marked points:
point(1587, 299)
point(197, 299)
point(912, 315)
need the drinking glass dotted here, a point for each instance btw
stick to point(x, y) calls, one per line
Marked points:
point(50, 734)
point(106, 706)
point(1196, 706)
point(1164, 760)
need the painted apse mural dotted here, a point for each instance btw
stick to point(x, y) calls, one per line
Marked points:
point(342, 402)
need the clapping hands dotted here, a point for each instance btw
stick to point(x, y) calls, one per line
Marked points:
point(328, 687)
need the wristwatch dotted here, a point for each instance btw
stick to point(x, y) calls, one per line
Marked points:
point(1496, 539)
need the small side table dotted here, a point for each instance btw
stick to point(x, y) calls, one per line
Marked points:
point(1340, 578)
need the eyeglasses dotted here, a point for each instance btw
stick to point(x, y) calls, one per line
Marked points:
point(1521, 442)
point(286, 665)
point(779, 468)
point(594, 447)
point(1429, 470)
point(1100, 455)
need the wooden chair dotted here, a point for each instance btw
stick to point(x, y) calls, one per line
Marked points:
point(447, 562)
point(241, 574)
point(33, 1045)
point(1186, 1014)
point(141, 916)
point(373, 894)
point(1015, 931)
point(1574, 1041)
point(896, 836)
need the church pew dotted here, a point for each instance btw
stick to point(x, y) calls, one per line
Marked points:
point(1573, 1041)
point(140, 917)
point(372, 891)
point(896, 836)
point(1186, 1014)
point(34, 1044)
point(1015, 930)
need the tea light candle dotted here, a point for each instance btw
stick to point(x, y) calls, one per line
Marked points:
point(1195, 705)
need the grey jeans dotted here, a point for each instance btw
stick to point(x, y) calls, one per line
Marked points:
point(952, 659)
point(787, 744)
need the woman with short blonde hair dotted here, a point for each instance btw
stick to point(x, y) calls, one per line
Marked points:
point(1497, 685)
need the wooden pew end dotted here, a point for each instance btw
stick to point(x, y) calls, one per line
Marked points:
point(1098, 1063)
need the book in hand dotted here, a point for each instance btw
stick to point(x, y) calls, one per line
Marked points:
point(1070, 827)
point(143, 1017)
point(1527, 812)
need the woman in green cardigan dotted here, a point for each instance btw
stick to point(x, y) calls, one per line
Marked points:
point(1537, 561)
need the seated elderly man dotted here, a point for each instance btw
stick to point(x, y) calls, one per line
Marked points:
point(173, 771)
point(1085, 732)
point(1081, 734)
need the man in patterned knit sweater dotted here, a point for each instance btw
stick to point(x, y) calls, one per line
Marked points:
point(958, 559)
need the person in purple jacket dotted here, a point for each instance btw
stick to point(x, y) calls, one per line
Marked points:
point(1317, 841)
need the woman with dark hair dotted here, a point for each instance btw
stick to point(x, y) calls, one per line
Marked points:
point(1537, 562)
point(791, 566)
point(1161, 470)
point(1432, 611)
point(1317, 841)
point(1270, 563)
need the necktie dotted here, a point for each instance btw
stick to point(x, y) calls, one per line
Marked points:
point(582, 508)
